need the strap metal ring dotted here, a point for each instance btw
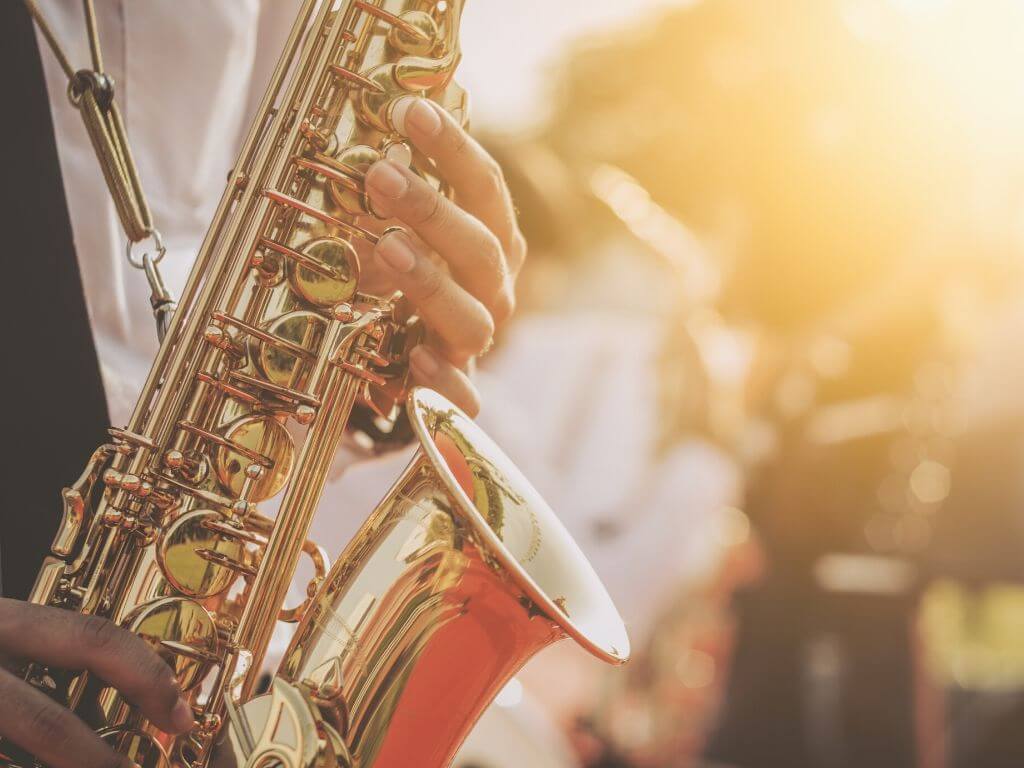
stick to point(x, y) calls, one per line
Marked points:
point(161, 250)
point(101, 85)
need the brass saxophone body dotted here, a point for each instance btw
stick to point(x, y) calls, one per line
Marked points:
point(273, 353)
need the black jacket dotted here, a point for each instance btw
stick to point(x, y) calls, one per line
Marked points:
point(53, 412)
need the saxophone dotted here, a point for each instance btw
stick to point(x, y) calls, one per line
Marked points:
point(273, 354)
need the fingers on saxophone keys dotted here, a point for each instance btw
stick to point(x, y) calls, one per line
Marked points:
point(116, 656)
point(461, 321)
point(430, 370)
point(475, 176)
point(474, 253)
point(41, 726)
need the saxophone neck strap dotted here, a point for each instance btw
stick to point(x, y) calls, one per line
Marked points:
point(91, 91)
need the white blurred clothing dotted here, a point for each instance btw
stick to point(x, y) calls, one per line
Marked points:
point(515, 732)
point(573, 402)
point(988, 390)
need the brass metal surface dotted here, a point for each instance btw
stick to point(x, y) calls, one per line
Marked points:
point(455, 580)
point(458, 577)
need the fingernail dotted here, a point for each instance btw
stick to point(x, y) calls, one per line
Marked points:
point(385, 179)
point(396, 253)
point(182, 717)
point(399, 112)
point(420, 117)
point(424, 362)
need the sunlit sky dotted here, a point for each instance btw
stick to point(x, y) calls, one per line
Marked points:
point(509, 44)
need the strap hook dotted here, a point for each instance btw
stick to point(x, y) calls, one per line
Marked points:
point(161, 249)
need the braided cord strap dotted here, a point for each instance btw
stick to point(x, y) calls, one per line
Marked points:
point(103, 122)
point(92, 93)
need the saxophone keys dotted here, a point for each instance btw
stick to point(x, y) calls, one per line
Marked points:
point(399, 152)
point(226, 442)
point(372, 356)
point(124, 481)
point(322, 216)
point(258, 333)
point(282, 728)
point(304, 414)
point(130, 483)
point(355, 78)
point(362, 373)
point(345, 174)
point(254, 439)
point(333, 169)
point(201, 494)
point(228, 530)
point(192, 468)
point(230, 390)
point(74, 503)
point(124, 437)
point(343, 312)
point(183, 633)
point(413, 32)
point(317, 138)
point(373, 106)
point(218, 337)
point(138, 746)
point(281, 363)
point(174, 460)
point(189, 652)
point(259, 440)
point(313, 265)
point(277, 399)
point(198, 552)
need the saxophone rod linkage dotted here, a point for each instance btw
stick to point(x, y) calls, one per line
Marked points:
point(222, 441)
point(390, 18)
point(335, 170)
point(355, 78)
point(300, 258)
point(274, 340)
point(219, 255)
point(316, 213)
point(183, 324)
point(285, 393)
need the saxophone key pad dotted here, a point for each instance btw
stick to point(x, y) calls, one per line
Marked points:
point(182, 632)
point(356, 160)
point(325, 290)
point(248, 436)
point(195, 553)
point(281, 365)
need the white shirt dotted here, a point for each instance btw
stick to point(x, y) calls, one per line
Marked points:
point(188, 76)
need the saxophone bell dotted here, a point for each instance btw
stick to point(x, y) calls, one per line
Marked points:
point(459, 576)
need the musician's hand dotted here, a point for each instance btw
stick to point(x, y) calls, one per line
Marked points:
point(69, 640)
point(476, 236)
